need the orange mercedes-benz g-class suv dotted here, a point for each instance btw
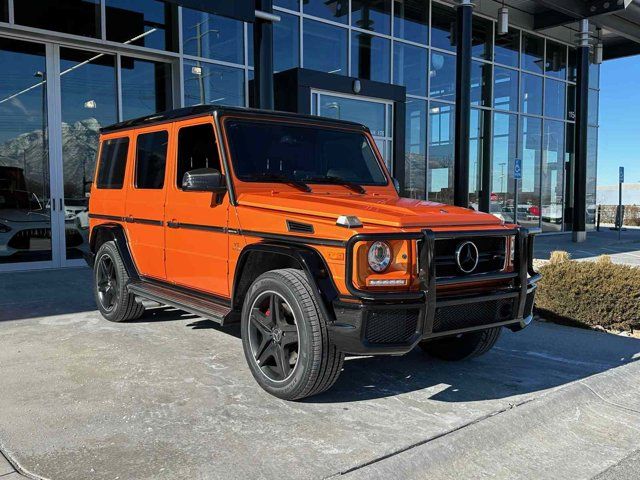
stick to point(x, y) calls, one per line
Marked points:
point(292, 225)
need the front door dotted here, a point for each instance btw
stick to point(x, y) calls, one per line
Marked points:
point(374, 113)
point(196, 236)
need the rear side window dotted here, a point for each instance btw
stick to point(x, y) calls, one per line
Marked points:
point(151, 159)
point(196, 149)
point(113, 162)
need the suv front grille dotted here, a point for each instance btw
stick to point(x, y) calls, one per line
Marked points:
point(391, 326)
point(454, 317)
point(491, 250)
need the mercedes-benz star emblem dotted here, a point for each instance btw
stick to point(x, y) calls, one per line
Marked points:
point(467, 257)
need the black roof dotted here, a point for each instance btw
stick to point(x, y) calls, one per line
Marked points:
point(200, 110)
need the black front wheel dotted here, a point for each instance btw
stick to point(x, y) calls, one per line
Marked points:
point(285, 337)
point(463, 346)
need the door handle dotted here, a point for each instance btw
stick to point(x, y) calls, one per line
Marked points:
point(173, 223)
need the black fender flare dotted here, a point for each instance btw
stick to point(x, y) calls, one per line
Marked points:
point(115, 232)
point(308, 259)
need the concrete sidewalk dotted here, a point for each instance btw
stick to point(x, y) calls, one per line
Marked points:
point(170, 396)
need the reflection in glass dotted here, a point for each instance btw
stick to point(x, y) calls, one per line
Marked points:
point(286, 43)
point(571, 102)
point(371, 114)
point(89, 102)
point(482, 38)
point(336, 10)
point(532, 53)
point(443, 27)
point(370, 57)
point(146, 87)
point(374, 15)
point(528, 208)
point(531, 99)
point(147, 23)
point(505, 89)
point(572, 69)
point(25, 222)
point(4, 10)
point(594, 74)
point(325, 47)
point(568, 183)
point(505, 141)
point(290, 4)
point(410, 68)
point(77, 17)
point(208, 83)
point(592, 165)
point(556, 64)
point(479, 119)
point(507, 48)
point(415, 148)
point(441, 152)
point(553, 152)
point(211, 36)
point(443, 76)
point(555, 99)
point(480, 84)
point(411, 20)
point(592, 107)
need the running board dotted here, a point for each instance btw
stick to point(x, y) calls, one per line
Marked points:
point(203, 307)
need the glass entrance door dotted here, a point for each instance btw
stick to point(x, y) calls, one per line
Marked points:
point(373, 113)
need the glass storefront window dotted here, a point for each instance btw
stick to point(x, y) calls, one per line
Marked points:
point(374, 15)
point(552, 172)
point(325, 47)
point(336, 11)
point(286, 43)
point(480, 84)
point(147, 23)
point(77, 17)
point(4, 10)
point(568, 182)
point(415, 149)
point(505, 89)
point(211, 36)
point(370, 57)
point(592, 107)
point(443, 27)
point(411, 20)
point(146, 87)
point(572, 68)
point(507, 48)
point(25, 216)
point(290, 4)
point(555, 99)
point(594, 75)
point(528, 208)
point(592, 164)
point(441, 152)
point(571, 102)
point(410, 68)
point(531, 98)
point(532, 53)
point(482, 38)
point(479, 119)
point(208, 83)
point(442, 76)
point(504, 147)
point(556, 64)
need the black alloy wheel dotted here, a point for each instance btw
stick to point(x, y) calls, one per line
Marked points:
point(107, 283)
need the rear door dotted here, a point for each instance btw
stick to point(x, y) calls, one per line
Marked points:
point(196, 222)
point(146, 200)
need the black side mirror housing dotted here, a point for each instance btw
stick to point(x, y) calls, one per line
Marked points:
point(204, 180)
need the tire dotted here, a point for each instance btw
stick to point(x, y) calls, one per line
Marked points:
point(289, 354)
point(115, 303)
point(467, 345)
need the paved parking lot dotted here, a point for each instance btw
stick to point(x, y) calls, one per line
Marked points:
point(169, 396)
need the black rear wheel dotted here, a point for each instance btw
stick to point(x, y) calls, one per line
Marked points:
point(463, 346)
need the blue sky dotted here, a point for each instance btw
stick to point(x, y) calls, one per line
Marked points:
point(619, 135)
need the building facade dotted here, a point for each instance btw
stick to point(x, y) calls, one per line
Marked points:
point(70, 67)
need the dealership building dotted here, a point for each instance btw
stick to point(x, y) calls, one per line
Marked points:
point(492, 105)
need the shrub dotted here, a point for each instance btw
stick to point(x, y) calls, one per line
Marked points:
point(590, 294)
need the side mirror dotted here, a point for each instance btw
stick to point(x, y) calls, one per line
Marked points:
point(203, 180)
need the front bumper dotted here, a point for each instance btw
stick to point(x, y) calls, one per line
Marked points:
point(393, 323)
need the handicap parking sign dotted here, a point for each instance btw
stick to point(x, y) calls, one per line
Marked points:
point(517, 169)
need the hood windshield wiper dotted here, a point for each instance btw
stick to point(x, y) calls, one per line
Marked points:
point(331, 180)
point(279, 178)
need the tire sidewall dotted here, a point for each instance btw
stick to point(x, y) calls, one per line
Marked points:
point(279, 284)
point(108, 249)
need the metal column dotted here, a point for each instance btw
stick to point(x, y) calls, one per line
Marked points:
point(581, 128)
point(263, 56)
point(463, 103)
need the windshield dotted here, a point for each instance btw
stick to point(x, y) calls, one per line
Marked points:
point(269, 151)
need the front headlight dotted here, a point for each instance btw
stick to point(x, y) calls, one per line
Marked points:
point(379, 256)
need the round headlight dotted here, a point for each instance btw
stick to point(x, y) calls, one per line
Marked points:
point(379, 256)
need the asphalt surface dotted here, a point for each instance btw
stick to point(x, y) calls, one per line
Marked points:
point(170, 396)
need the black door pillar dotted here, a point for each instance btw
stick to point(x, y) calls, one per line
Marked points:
point(463, 103)
point(263, 56)
point(581, 128)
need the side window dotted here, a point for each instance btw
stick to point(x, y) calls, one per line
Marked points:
point(113, 161)
point(151, 159)
point(196, 149)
